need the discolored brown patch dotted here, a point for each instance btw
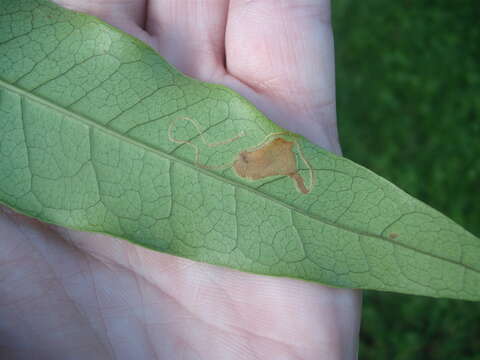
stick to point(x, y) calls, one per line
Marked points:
point(393, 236)
point(274, 158)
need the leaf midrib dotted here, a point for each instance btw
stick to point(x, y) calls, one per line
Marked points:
point(91, 123)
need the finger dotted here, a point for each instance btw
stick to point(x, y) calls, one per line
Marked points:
point(269, 41)
point(190, 34)
point(284, 49)
point(128, 15)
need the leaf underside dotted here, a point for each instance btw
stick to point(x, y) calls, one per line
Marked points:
point(99, 133)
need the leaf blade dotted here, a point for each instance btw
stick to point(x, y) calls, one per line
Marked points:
point(94, 111)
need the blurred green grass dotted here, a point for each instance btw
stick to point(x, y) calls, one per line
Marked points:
point(408, 95)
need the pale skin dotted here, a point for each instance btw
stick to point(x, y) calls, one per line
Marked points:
point(71, 295)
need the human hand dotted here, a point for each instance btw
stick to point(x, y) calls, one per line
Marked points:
point(68, 294)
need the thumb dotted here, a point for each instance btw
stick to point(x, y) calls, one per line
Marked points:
point(283, 50)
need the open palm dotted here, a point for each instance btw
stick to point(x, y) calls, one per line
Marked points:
point(72, 295)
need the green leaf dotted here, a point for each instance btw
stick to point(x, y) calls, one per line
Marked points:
point(99, 133)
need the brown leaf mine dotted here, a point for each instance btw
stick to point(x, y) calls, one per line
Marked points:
point(274, 158)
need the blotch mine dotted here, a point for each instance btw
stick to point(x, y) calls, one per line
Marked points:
point(272, 159)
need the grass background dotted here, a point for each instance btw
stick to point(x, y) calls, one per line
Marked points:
point(408, 94)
